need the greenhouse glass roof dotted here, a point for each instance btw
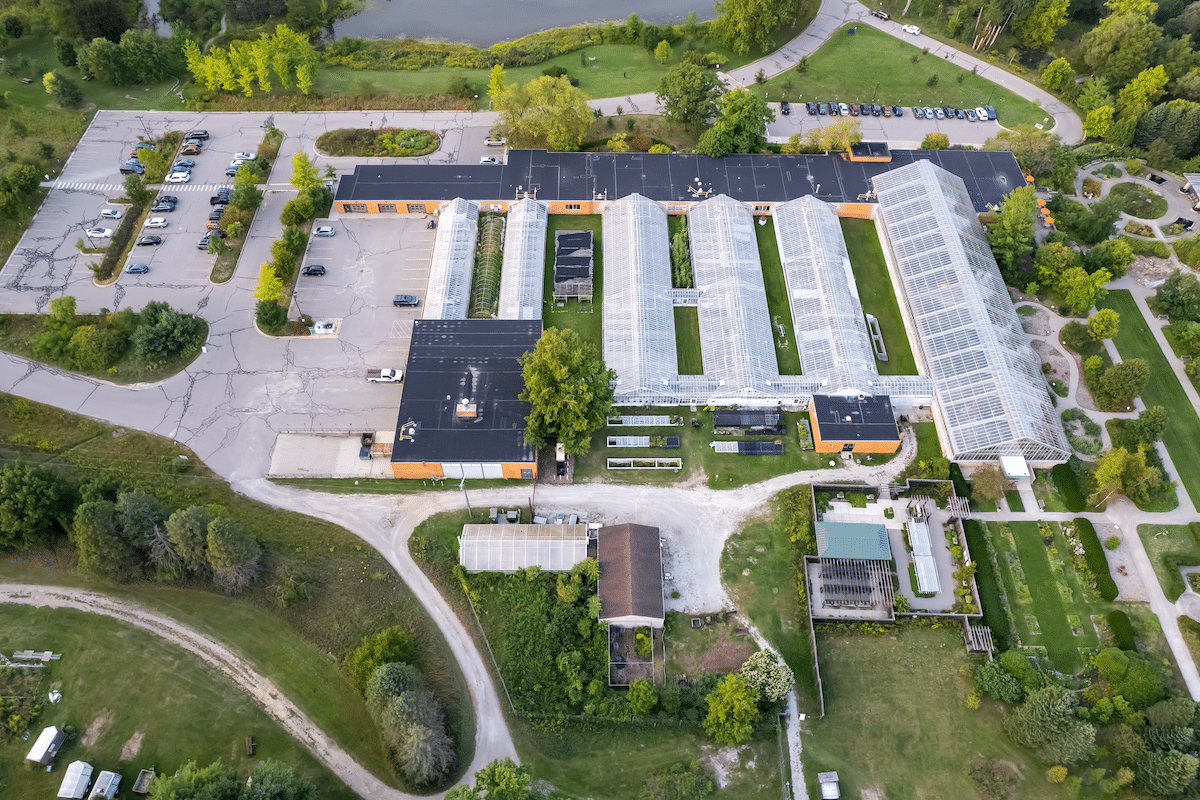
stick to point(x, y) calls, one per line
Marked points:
point(991, 397)
point(639, 318)
point(453, 261)
point(521, 277)
point(508, 548)
point(826, 311)
point(735, 325)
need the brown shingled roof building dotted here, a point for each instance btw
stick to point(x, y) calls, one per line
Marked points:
point(631, 579)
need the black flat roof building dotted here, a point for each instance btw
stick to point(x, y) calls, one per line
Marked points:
point(856, 418)
point(460, 403)
point(555, 177)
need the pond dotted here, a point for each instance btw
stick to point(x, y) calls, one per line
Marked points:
point(484, 24)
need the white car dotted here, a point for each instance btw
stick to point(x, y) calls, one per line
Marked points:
point(981, 112)
point(246, 156)
point(237, 162)
point(489, 160)
point(156, 222)
point(913, 29)
point(179, 177)
point(111, 213)
point(98, 233)
point(324, 231)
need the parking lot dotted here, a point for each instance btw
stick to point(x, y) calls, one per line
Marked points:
point(906, 132)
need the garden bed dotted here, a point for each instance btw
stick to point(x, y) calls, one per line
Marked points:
point(1139, 201)
point(381, 143)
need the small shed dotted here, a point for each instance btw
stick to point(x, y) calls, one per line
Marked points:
point(830, 788)
point(631, 577)
point(106, 785)
point(1014, 467)
point(46, 747)
point(75, 783)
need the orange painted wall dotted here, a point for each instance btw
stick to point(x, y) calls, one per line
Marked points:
point(514, 470)
point(418, 470)
point(856, 210)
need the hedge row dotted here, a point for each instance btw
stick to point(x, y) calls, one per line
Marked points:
point(995, 616)
point(119, 243)
point(1097, 561)
point(1122, 630)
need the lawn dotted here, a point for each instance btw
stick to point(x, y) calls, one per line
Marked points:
point(1139, 201)
point(877, 294)
point(759, 570)
point(1013, 498)
point(836, 72)
point(1170, 547)
point(116, 682)
point(896, 725)
point(1182, 437)
point(928, 445)
point(778, 305)
point(687, 340)
point(355, 590)
point(585, 319)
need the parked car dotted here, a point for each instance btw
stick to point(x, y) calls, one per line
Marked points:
point(991, 111)
point(140, 146)
point(179, 177)
point(497, 142)
point(231, 171)
point(237, 162)
point(147, 241)
point(185, 163)
point(864, 109)
point(132, 169)
point(833, 109)
point(887, 110)
point(324, 326)
point(194, 142)
point(190, 150)
point(489, 160)
point(928, 112)
point(111, 213)
point(156, 222)
point(385, 375)
point(220, 198)
point(854, 109)
point(404, 300)
point(911, 29)
point(812, 108)
point(822, 109)
point(162, 205)
point(212, 224)
point(949, 112)
point(216, 216)
point(197, 134)
point(939, 113)
point(203, 243)
point(785, 108)
point(137, 269)
point(313, 269)
point(879, 12)
point(323, 230)
point(170, 198)
point(844, 109)
point(876, 109)
point(897, 111)
point(971, 114)
point(918, 113)
point(98, 233)
point(979, 112)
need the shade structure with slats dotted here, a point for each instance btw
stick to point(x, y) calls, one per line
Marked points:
point(508, 548)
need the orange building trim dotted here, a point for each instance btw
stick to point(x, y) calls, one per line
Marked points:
point(859, 443)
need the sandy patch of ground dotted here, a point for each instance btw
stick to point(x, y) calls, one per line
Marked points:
point(131, 748)
point(874, 793)
point(723, 762)
point(1120, 563)
point(1149, 271)
point(1060, 367)
point(97, 726)
point(1038, 324)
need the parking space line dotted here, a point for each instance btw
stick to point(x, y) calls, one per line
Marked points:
point(401, 329)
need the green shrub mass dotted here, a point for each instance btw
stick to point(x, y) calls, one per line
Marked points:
point(1122, 630)
point(1097, 562)
point(1068, 487)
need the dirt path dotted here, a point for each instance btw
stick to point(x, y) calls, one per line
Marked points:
point(227, 662)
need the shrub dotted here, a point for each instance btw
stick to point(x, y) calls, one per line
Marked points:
point(1135, 168)
point(641, 142)
point(269, 315)
point(1097, 562)
point(1122, 630)
point(1112, 543)
point(389, 646)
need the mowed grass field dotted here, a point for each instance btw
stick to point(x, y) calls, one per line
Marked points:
point(896, 725)
point(122, 686)
point(1169, 547)
point(585, 319)
point(877, 294)
point(847, 69)
point(1182, 437)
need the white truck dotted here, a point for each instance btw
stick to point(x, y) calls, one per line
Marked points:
point(385, 375)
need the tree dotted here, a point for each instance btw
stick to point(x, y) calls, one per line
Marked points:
point(732, 707)
point(272, 780)
point(993, 679)
point(163, 332)
point(269, 285)
point(689, 94)
point(304, 171)
point(1058, 75)
point(1179, 296)
point(1034, 149)
point(1098, 224)
point(1052, 260)
point(411, 721)
point(1080, 290)
point(569, 389)
point(1094, 94)
point(546, 108)
point(1174, 712)
point(643, 697)
point(1039, 28)
point(34, 506)
point(743, 24)
point(936, 141)
point(233, 554)
point(97, 535)
point(662, 53)
point(1120, 471)
point(391, 645)
point(64, 49)
point(496, 82)
point(989, 483)
point(1125, 381)
point(740, 126)
point(768, 676)
point(1098, 122)
point(188, 531)
point(1103, 324)
point(1047, 721)
point(13, 27)
point(1113, 255)
point(96, 347)
point(1142, 91)
point(64, 90)
point(1011, 237)
point(1166, 773)
point(1150, 425)
point(214, 782)
point(838, 136)
point(499, 780)
point(138, 514)
point(304, 15)
point(1120, 47)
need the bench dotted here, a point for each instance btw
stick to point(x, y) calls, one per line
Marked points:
point(249, 745)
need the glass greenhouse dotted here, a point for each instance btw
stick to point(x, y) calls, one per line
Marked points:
point(453, 261)
point(991, 398)
point(508, 548)
point(521, 277)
